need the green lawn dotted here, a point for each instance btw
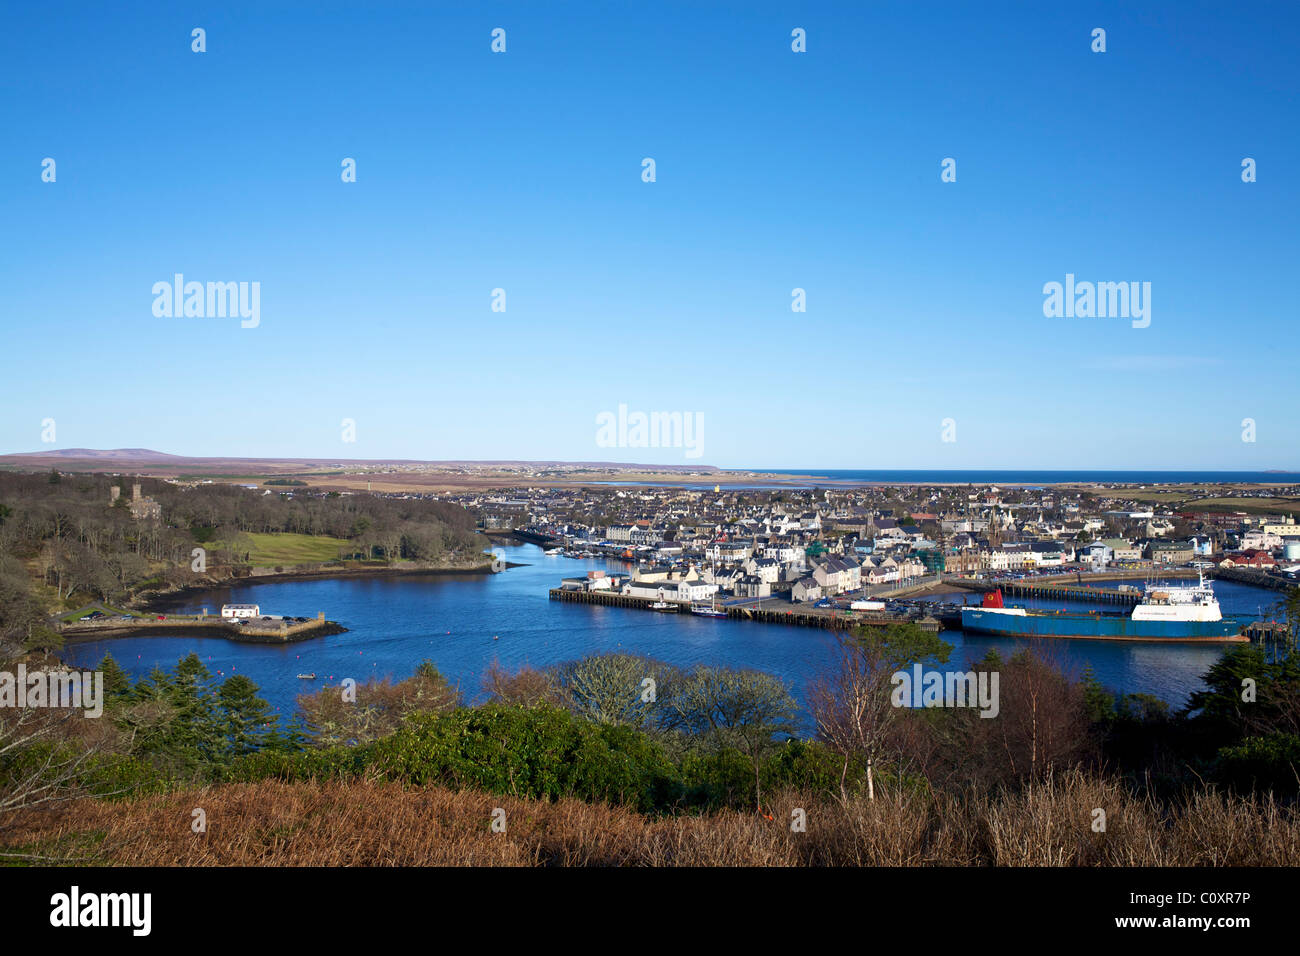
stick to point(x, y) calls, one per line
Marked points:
point(1249, 505)
point(273, 549)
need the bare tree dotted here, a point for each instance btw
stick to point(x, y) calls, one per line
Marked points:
point(853, 707)
point(44, 762)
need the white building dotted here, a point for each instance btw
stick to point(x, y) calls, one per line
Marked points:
point(240, 610)
point(672, 590)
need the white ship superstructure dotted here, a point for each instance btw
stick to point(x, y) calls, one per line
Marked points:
point(1192, 603)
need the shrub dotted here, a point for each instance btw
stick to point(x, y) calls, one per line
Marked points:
point(539, 752)
point(1270, 762)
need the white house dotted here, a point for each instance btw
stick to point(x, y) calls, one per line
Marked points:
point(1260, 540)
point(806, 589)
point(230, 611)
point(768, 570)
point(672, 590)
point(838, 574)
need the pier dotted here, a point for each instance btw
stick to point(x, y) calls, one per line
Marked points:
point(1271, 635)
point(1068, 592)
point(800, 616)
point(1259, 579)
point(1060, 592)
point(277, 631)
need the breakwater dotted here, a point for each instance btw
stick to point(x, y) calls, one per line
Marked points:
point(825, 618)
point(258, 632)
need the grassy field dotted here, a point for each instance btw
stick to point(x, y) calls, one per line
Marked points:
point(1199, 500)
point(1248, 505)
point(273, 549)
point(1160, 497)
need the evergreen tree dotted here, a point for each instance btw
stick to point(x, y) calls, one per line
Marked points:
point(1098, 702)
point(196, 725)
point(1247, 693)
point(117, 685)
point(244, 718)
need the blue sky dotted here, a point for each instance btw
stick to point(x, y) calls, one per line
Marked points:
point(775, 170)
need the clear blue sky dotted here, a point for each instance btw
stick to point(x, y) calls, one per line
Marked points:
point(775, 170)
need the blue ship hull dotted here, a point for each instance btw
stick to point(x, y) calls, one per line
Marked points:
point(1096, 625)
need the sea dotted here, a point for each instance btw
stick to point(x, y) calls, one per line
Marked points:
point(809, 477)
point(1011, 476)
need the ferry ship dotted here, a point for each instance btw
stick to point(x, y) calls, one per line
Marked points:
point(1172, 614)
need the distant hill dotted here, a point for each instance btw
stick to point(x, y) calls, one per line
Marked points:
point(99, 454)
point(162, 463)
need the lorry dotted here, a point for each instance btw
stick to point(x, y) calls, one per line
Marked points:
point(867, 606)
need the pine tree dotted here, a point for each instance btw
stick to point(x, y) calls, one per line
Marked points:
point(117, 685)
point(1098, 702)
point(196, 726)
point(245, 719)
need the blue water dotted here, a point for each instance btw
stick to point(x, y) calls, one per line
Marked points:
point(800, 477)
point(1034, 477)
point(463, 622)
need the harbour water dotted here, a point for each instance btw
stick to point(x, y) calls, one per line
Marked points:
point(463, 622)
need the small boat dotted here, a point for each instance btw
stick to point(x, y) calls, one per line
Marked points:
point(708, 610)
point(664, 607)
point(553, 551)
point(311, 676)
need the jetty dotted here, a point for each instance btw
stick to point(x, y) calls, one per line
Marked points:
point(1271, 635)
point(1068, 592)
point(275, 631)
point(797, 616)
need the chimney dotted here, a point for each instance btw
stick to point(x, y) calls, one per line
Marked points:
point(113, 494)
point(135, 491)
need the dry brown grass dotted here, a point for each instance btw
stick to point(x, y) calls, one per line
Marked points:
point(367, 824)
